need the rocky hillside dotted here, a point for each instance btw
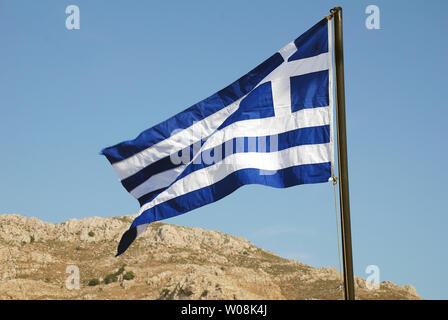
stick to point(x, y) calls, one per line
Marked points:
point(165, 262)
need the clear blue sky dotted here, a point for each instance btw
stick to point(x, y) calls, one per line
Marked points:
point(64, 95)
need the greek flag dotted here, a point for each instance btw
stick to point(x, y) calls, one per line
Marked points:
point(273, 126)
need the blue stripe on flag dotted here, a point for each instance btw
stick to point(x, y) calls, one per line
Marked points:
point(156, 167)
point(150, 196)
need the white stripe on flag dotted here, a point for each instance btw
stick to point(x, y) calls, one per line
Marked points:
point(288, 50)
point(157, 181)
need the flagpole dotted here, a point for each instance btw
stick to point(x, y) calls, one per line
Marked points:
point(349, 288)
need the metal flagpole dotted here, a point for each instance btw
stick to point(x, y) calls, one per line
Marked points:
point(344, 201)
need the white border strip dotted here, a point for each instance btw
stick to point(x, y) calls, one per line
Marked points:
point(330, 87)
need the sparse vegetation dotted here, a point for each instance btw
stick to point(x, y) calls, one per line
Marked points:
point(91, 234)
point(110, 278)
point(164, 293)
point(128, 275)
point(281, 269)
point(120, 271)
point(93, 282)
point(32, 239)
point(186, 292)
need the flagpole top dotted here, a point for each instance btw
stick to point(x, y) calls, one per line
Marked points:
point(333, 12)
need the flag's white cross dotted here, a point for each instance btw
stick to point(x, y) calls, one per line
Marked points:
point(281, 87)
point(281, 95)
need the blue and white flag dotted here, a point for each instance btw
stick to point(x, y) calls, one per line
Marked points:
point(273, 126)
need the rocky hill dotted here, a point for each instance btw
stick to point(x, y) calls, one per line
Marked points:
point(165, 262)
